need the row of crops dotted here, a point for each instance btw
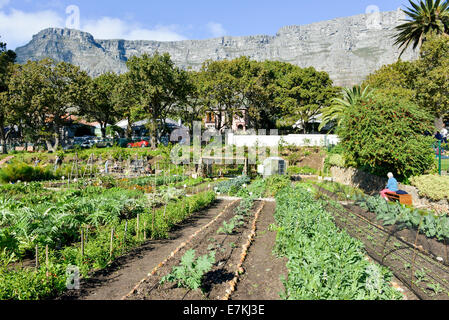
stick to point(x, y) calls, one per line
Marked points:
point(433, 226)
point(324, 263)
point(44, 233)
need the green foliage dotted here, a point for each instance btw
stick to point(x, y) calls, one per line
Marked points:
point(301, 170)
point(407, 218)
point(434, 187)
point(302, 94)
point(276, 183)
point(424, 18)
point(156, 85)
point(22, 172)
point(227, 227)
point(385, 135)
point(323, 262)
point(432, 87)
point(190, 272)
point(27, 284)
point(351, 97)
point(232, 187)
point(336, 160)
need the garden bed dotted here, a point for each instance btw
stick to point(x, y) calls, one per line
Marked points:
point(436, 249)
point(415, 266)
point(216, 282)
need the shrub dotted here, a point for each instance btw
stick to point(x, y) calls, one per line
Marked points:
point(274, 184)
point(23, 172)
point(301, 170)
point(432, 186)
point(336, 160)
point(386, 134)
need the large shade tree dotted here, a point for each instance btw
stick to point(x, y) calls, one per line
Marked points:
point(45, 93)
point(97, 102)
point(7, 58)
point(157, 86)
point(302, 93)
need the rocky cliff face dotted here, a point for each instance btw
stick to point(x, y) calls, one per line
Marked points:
point(347, 48)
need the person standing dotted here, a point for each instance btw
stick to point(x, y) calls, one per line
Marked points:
point(392, 186)
point(444, 133)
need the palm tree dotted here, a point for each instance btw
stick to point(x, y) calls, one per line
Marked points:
point(429, 16)
point(351, 97)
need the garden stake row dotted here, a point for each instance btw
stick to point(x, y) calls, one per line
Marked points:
point(245, 248)
point(172, 255)
point(405, 279)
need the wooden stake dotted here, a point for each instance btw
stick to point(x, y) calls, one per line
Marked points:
point(82, 242)
point(126, 231)
point(137, 227)
point(46, 260)
point(112, 242)
point(37, 257)
point(145, 230)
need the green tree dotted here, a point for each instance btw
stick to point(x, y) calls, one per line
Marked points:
point(429, 16)
point(432, 83)
point(194, 107)
point(351, 97)
point(222, 90)
point(125, 100)
point(98, 101)
point(44, 94)
point(401, 74)
point(7, 59)
point(386, 134)
point(302, 94)
point(158, 87)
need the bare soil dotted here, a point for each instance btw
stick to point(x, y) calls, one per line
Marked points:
point(263, 270)
point(118, 280)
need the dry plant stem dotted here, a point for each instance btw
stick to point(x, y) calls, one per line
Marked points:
point(126, 231)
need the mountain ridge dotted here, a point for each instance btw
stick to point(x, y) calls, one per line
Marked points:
point(348, 48)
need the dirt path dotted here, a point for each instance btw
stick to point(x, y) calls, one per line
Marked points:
point(263, 270)
point(119, 279)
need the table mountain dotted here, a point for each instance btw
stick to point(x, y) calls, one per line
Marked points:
point(347, 48)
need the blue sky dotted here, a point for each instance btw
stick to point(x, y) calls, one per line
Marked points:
point(168, 20)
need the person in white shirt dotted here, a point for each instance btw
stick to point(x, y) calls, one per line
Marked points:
point(444, 133)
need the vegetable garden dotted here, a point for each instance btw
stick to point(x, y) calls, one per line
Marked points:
point(324, 234)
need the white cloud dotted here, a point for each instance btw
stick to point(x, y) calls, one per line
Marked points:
point(18, 27)
point(114, 28)
point(216, 29)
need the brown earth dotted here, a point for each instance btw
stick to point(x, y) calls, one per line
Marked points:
point(118, 280)
point(228, 249)
point(263, 270)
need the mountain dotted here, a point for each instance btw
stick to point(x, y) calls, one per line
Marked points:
point(348, 49)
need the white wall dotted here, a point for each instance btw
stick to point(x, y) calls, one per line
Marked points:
point(300, 140)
